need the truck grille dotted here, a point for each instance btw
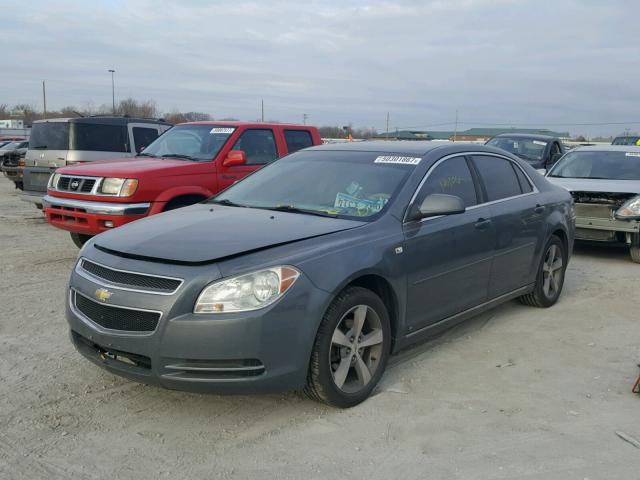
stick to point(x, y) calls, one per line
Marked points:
point(116, 318)
point(76, 184)
point(131, 280)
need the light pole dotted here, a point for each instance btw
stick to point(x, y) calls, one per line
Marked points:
point(113, 91)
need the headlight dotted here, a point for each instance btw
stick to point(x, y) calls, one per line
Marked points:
point(53, 181)
point(246, 292)
point(123, 187)
point(630, 210)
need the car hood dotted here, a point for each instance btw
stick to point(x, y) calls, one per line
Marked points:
point(596, 185)
point(205, 233)
point(126, 167)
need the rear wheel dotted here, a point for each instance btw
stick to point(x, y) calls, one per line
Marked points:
point(635, 247)
point(79, 239)
point(550, 278)
point(351, 349)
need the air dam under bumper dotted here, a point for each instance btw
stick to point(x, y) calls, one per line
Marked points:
point(90, 218)
point(262, 351)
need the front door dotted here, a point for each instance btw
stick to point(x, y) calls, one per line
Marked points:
point(448, 258)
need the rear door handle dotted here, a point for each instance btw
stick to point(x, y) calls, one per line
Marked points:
point(539, 209)
point(482, 223)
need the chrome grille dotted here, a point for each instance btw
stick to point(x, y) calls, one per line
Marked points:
point(140, 282)
point(75, 184)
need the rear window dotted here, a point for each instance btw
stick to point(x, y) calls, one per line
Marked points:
point(297, 140)
point(498, 176)
point(50, 136)
point(95, 137)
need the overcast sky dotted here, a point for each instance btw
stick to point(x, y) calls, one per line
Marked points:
point(515, 62)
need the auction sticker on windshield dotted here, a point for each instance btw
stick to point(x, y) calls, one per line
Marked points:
point(539, 142)
point(222, 130)
point(632, 154)
point(400, 160)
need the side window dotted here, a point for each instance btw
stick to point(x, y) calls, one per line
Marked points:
point(451, 177)
point(297, 140)
point(525, 184)
point(142, 137)
point(259, 145)
point(498, 176)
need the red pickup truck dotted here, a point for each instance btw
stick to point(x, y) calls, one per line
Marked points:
point(187, 164)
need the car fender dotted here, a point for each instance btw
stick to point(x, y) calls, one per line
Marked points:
point(168, 195)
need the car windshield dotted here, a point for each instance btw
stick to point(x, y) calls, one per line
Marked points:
point(626, 141)
point(329, 183)
point(528, 149)
point(617, 165)
point(49, 136)
point(9, 146)
point(190, 142)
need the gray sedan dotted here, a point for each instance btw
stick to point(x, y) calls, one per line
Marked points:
point(310, 272)
point(605, 183)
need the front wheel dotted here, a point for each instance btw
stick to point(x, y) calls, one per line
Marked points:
point(550, 277)
point(79, 239)
point(634, 250)
point(351, 349)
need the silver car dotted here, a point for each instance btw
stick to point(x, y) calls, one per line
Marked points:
point(604, 181)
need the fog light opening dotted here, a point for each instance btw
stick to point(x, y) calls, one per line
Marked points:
point(108, 223)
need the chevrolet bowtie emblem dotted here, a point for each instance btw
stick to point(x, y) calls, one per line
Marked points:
point(103, 294)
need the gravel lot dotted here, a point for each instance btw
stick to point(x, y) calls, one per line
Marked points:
point(516, 393)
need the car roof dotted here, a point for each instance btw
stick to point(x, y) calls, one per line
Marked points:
point(105, 120)
point(391, 146)
point(238, 123)
point(607, 148)
point(532, 136)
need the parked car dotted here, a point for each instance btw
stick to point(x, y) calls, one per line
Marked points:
point(605, 184)
point(539, 151)
point(12, 160)
point(626, 140)
point(188, 164)
point(310, 272)
point(58, 142)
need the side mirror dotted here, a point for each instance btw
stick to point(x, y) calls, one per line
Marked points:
point(235, 157)
point(439, 204)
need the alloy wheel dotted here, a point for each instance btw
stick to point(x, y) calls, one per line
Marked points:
point(552, 271)
point(356, 348)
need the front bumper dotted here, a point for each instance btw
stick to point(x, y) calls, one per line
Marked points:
point(90, 218)
point(265, 350)
point(586, 228)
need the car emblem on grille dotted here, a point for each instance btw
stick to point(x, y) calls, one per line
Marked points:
point(103, 294)
point(75, 184)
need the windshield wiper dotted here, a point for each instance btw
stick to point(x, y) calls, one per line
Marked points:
point(177, 155)
point(294, 209)
point(227, 203)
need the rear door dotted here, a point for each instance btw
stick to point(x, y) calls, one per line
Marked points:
point(260, 148)
point(519, 222)
point(448, 258)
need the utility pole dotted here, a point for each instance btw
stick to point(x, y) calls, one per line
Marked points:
point(262, 109)
point(387, 134)
point(44, 99)
point(113, 91)
point(455, 131)
point(304, 118)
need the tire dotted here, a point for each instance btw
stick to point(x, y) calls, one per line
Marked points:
point(19, 185)
point(549, 279)
point(634, 250)
point(342, 372)
point(79, 239)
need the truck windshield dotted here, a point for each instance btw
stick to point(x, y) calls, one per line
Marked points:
point(336, 184)
point(49, 136)
point(525, 148)
point(618, 165)
point(191, 142)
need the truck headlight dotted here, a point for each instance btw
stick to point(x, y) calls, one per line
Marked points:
point(630, 210)
point(243, 293)
point(53, 180)
point(122, 187)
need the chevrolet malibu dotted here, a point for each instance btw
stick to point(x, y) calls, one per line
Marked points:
point(311, 272)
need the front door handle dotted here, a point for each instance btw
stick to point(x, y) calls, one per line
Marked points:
point(539, 209)
point(482, 223)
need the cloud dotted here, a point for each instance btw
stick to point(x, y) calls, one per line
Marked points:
point(498, 61)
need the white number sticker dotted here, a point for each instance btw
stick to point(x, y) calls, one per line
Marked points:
point(222, 130)
point(400, 160)
point(632, 154)
point(538, 142)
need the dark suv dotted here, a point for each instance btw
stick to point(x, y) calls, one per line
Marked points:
point(67, 141)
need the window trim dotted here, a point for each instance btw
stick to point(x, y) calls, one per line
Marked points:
point(469, 156)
